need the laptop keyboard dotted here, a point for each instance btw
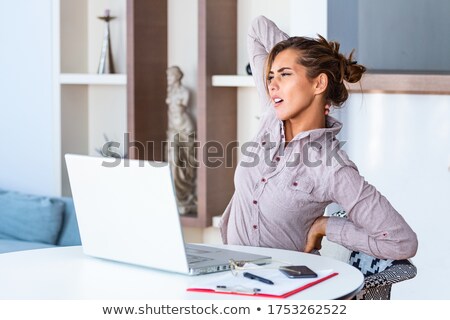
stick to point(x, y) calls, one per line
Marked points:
point(194, 259)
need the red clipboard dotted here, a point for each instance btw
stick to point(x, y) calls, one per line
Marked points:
point(266, 295)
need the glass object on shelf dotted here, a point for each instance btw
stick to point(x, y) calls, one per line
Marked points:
point(106, 64)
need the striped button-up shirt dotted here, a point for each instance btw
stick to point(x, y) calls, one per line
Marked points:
point(280, 189)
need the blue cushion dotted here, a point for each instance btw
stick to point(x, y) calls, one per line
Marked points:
point(70, 235)
point(30, 218)
point(7, 245)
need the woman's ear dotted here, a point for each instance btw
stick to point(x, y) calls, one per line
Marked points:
point(321, 83)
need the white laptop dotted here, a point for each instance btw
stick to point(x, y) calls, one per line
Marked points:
point(127, 212)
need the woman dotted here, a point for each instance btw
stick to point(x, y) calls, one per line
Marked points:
point(297, 168)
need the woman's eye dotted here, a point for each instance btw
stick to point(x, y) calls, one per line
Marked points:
point(285, 74)
point(269, 78)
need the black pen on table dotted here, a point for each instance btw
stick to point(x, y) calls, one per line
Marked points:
point(255, 277)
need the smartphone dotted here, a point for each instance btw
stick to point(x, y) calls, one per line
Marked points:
point(298, 272)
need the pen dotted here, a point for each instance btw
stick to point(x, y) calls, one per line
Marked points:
point(255, 277)
point(238, 289)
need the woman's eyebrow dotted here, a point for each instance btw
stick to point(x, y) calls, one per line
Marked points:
point(284, 68)
point(280, 70)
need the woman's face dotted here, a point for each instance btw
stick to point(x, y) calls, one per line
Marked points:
point(290, 90)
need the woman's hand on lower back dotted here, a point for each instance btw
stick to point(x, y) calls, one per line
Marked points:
point(315, 234)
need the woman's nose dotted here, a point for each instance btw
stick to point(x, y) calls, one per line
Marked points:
point(273, 85)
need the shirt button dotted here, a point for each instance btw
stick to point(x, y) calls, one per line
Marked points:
point(263, 143)
point(255, 202)
point(277, 159)
point(255, 226)
point(295, 183)
point(263, 180)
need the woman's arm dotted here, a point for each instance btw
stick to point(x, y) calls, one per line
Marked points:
point(373, 225)
point(263, 35)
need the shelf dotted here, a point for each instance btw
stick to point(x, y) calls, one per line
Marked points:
point(402, 83)
point(93, 79)
point(370, 83)
point(216, 107)
point(232, 81)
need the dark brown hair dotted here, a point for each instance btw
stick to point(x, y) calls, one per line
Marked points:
point(322, 56)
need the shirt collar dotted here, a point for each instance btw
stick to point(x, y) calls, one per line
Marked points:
point(333, 127)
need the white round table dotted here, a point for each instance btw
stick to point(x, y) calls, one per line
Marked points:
point(66, 273)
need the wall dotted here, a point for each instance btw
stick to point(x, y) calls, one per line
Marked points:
point(401, 145)
point(394, 35)
point(183, 43)
point(29, 136)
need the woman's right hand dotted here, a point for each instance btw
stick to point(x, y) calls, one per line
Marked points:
point(315, 234)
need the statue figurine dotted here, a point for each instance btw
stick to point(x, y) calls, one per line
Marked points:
point(181, 138)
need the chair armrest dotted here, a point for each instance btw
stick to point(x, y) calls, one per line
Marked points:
point(401, 270)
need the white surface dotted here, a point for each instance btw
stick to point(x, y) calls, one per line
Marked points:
point(127, 212)
point(277, 11)
point(401, 144)
point(182, 43)
point(308, 18)
point(27, 129)
point(232, 81)
point(65, 273)
point(96, 79)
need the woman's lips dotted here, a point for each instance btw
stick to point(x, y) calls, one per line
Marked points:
point(277, 101)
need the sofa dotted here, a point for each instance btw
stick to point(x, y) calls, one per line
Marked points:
point(33, 222)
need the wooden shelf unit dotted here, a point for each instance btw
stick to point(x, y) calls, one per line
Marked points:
point(217, 110)
point(141, 88)
point(146, 77)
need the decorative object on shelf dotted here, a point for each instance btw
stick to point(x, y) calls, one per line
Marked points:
point(248, 69)
point(107, 149)
point(106, 64)
point(181, 142)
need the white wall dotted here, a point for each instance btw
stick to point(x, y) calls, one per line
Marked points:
point(308, 18)
point(183, 43)
point(401, 144)
point(29, 138)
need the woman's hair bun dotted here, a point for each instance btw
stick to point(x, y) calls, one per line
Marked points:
point(352, 70)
